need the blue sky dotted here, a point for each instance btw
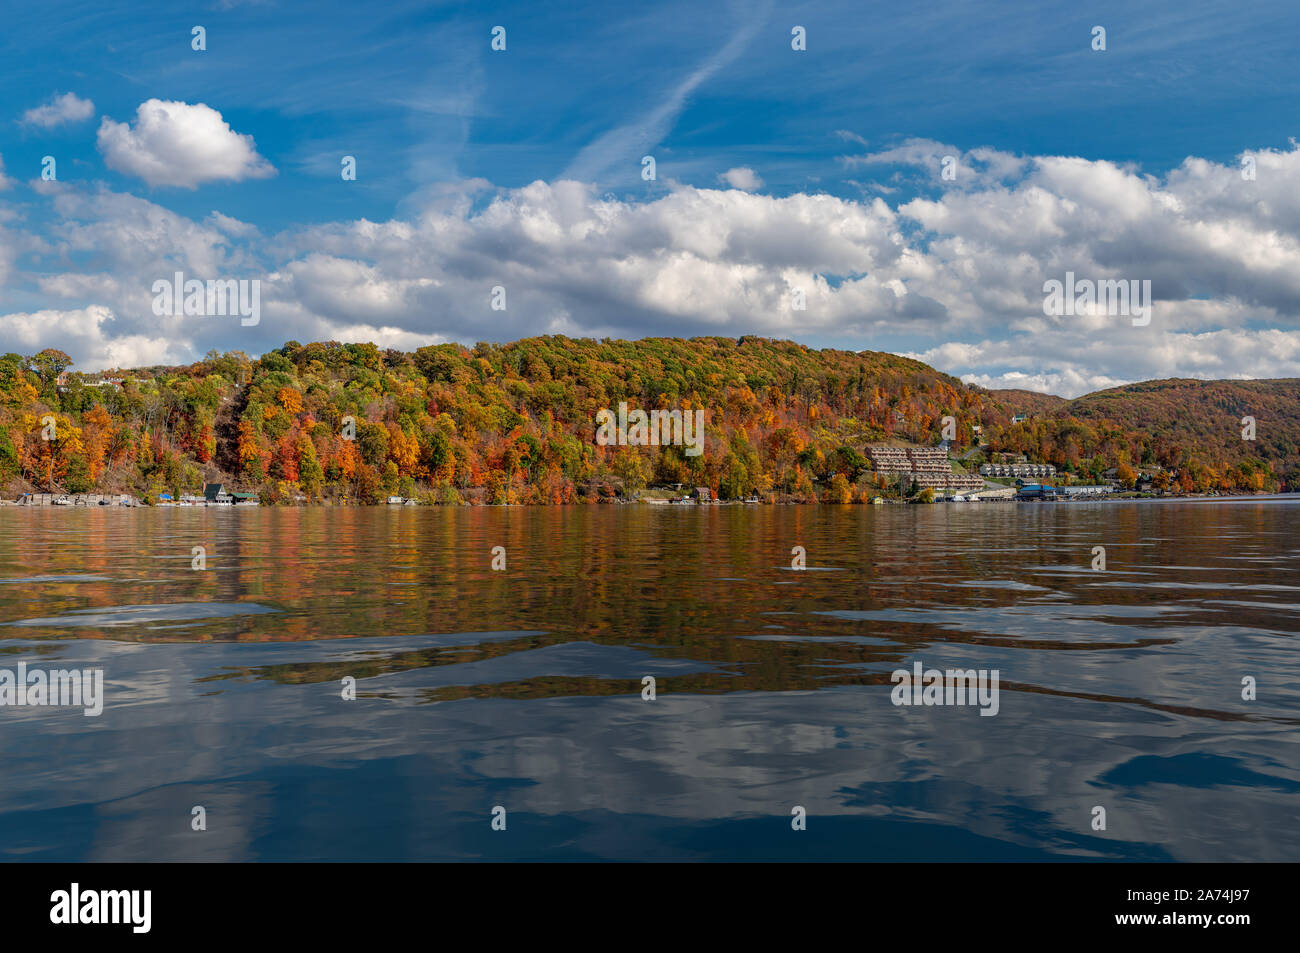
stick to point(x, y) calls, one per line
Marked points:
point(450, 135)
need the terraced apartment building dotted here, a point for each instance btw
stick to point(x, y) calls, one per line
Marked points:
point(925, 466)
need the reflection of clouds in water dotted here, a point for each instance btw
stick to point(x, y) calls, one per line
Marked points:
point(138, 615)
point(491, 688)
point(687, 758)
point(156, 824)
point(571, 660)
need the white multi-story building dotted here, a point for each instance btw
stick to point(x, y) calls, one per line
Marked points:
point(1017, 470)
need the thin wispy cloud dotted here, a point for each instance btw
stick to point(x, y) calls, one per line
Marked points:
point(627, 143)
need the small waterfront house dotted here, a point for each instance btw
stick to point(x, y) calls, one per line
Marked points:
point(216, 493)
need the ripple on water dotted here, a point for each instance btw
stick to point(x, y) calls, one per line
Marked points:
point(136, 615)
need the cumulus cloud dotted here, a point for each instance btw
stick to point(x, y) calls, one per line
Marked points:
point(59, 111)
point(973, 260)
point(955, 277)
point(178, 144)
point(123, 244)
point(87, 335)
point(129, 236)
point(742, 177)
point(696, 259)
point(1055, 368)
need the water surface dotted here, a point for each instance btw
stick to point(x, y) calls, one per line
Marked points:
point(522, 688)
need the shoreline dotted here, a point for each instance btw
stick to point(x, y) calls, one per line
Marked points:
point(1229, 498)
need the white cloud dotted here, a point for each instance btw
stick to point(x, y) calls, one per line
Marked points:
point(128, 243)
point(6, 263)
point(955, 278)
point(86, 335)
point(1054, 367)
point(742, 177)
point(175, 143)
point(722, 260)
point(132, 236)
point(59, 111)
point(231, 226)
point(965, 170)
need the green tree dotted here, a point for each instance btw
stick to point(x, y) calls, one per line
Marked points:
point(632, 467)
point(310, 474)
point(49, 364)
point(8, 456)
point(372, 441)
point(77, 474)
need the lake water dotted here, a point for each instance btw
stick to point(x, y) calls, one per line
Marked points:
point(522, 688)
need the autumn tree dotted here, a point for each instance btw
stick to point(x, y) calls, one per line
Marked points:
point(49, 364)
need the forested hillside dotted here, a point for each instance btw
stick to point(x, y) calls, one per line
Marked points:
point(516, 422)
point(1195, 427)
point(1206, 415)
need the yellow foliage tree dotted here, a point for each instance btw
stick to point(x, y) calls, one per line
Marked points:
point(290, 400)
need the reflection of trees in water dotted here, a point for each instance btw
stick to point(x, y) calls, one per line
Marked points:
point(696, 584)
point(733, 635)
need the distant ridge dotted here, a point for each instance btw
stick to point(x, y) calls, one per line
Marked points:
point(1205, 415)
point(1027, 401)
